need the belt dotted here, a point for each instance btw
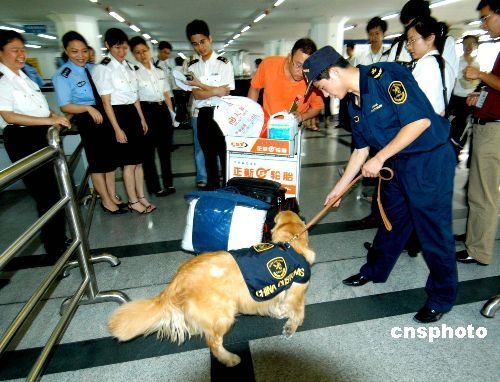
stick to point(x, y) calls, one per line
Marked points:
point(154, 103)
point(484, 121)
point(206, 107)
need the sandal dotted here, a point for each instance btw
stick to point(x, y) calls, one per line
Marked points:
point(130, 204)
point(149, 207)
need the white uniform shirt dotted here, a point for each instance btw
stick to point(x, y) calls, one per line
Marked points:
point(213, 72)
point(449, 55)
point(428, 76)
point(20, 95)
point(371, 58)
point(152, 83)
point(462, 86)
point(117, 79)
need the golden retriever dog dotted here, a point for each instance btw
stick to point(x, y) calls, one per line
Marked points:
point(206, 294)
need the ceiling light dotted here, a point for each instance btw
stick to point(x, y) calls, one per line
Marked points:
point(32, 46)
point(474, 32)
point(146, 36)
point(226, 45)
point(441, 3)
point(279, 2)
point(182, 55)
point(349, 27)
point(104, 48)
point(99, 36)
point(236, 36)
point(117, 16)
point(154, 41)
point(260, 17)
point(12, 29)
point(135, 28)
point(47, 36)
point(230, 41)
point(221, 53)
point(245, 29)
point(391, 16)
point(474, 23)
point(94, 1)
point(485, 38)
point(392, 36)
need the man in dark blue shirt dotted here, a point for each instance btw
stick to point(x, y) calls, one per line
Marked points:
point(391, 114)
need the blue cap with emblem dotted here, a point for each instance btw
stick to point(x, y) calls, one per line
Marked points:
point(317, 62)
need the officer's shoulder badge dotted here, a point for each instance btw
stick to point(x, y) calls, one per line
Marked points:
point(263, 247)
point(397, 92)
point(136, 67)
point(193, 61)
point(375, 72)
point(65, 73)
point(1, 74)
point(223, 59)
point(106, 61)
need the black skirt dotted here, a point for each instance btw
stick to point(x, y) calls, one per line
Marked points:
point(128, 119)
point(99, 143)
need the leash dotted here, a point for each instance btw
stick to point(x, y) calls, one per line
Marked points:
point(320, 214)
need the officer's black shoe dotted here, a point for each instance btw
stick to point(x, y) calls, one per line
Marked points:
point(165, 192)
point(413, 252)
point(426, 315)
point(463, 257)
point(367, 245)
point(356, 280)
point(460, 237)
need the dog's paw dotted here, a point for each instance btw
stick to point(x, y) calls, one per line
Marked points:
point(231, 360)
point(289, 330)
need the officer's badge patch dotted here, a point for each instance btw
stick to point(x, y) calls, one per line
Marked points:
point(65, 73)
point(397, 92)
point(106, 61)
point(376, 72)
point(263, 247)
point(81, 83)
point(277, 267)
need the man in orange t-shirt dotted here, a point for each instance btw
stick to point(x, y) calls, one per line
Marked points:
point(282, 80)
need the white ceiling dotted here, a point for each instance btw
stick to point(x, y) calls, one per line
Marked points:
point(166, 19)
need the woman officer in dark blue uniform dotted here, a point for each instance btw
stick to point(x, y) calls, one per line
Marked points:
point(76, 95)
point(390, 113)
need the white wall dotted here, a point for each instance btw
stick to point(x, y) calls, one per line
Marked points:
point(46, 59)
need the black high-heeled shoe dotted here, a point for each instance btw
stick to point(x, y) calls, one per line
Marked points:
point(119, 211)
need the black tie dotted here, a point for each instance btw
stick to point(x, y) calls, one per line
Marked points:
point(98, 100)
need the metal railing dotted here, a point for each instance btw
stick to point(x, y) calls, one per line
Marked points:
point(88, 286)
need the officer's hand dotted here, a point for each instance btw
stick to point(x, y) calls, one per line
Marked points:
point(144, 126)
point(472, 99)
point(471, 73)
point(95, 114)
point(60, 120)
point(121, 137)
point(332, 195)
point(372, 168)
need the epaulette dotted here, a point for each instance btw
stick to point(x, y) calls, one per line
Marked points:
point(1, 74)
point(65, 73)
point(106, 61)
point(375, 72)
point(136, 67)
point(192, 62)
point(223, 59)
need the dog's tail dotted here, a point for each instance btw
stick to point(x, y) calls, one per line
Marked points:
point(147, 316)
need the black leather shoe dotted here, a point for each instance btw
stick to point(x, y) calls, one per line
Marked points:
point(119, 211)
point(463, 257)
point(460, 237)
point(426, 315)
point(356, 280)
point(165, 192)
point(367, 245)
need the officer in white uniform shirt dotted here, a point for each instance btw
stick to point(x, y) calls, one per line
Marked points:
point(376, 29)
point(25, 118)
point(214, 78)
point(116, 82)
point(164, 50)
point(154, 94)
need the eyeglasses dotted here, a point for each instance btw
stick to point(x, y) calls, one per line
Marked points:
point(297, 65)
point(483, 19)
point(412, 41)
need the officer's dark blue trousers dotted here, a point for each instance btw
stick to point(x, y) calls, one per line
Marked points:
point(419, 196)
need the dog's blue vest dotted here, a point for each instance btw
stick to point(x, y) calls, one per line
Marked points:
point(270, 268)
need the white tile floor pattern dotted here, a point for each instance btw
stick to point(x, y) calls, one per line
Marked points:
point(360, 350)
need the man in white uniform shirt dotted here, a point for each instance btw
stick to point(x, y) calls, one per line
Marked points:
point(376, 29)
point(213, 78)
point(164, 50)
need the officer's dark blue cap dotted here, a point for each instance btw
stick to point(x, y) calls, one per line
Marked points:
point(316, 63)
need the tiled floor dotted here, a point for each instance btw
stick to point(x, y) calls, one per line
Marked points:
point(346, 335)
